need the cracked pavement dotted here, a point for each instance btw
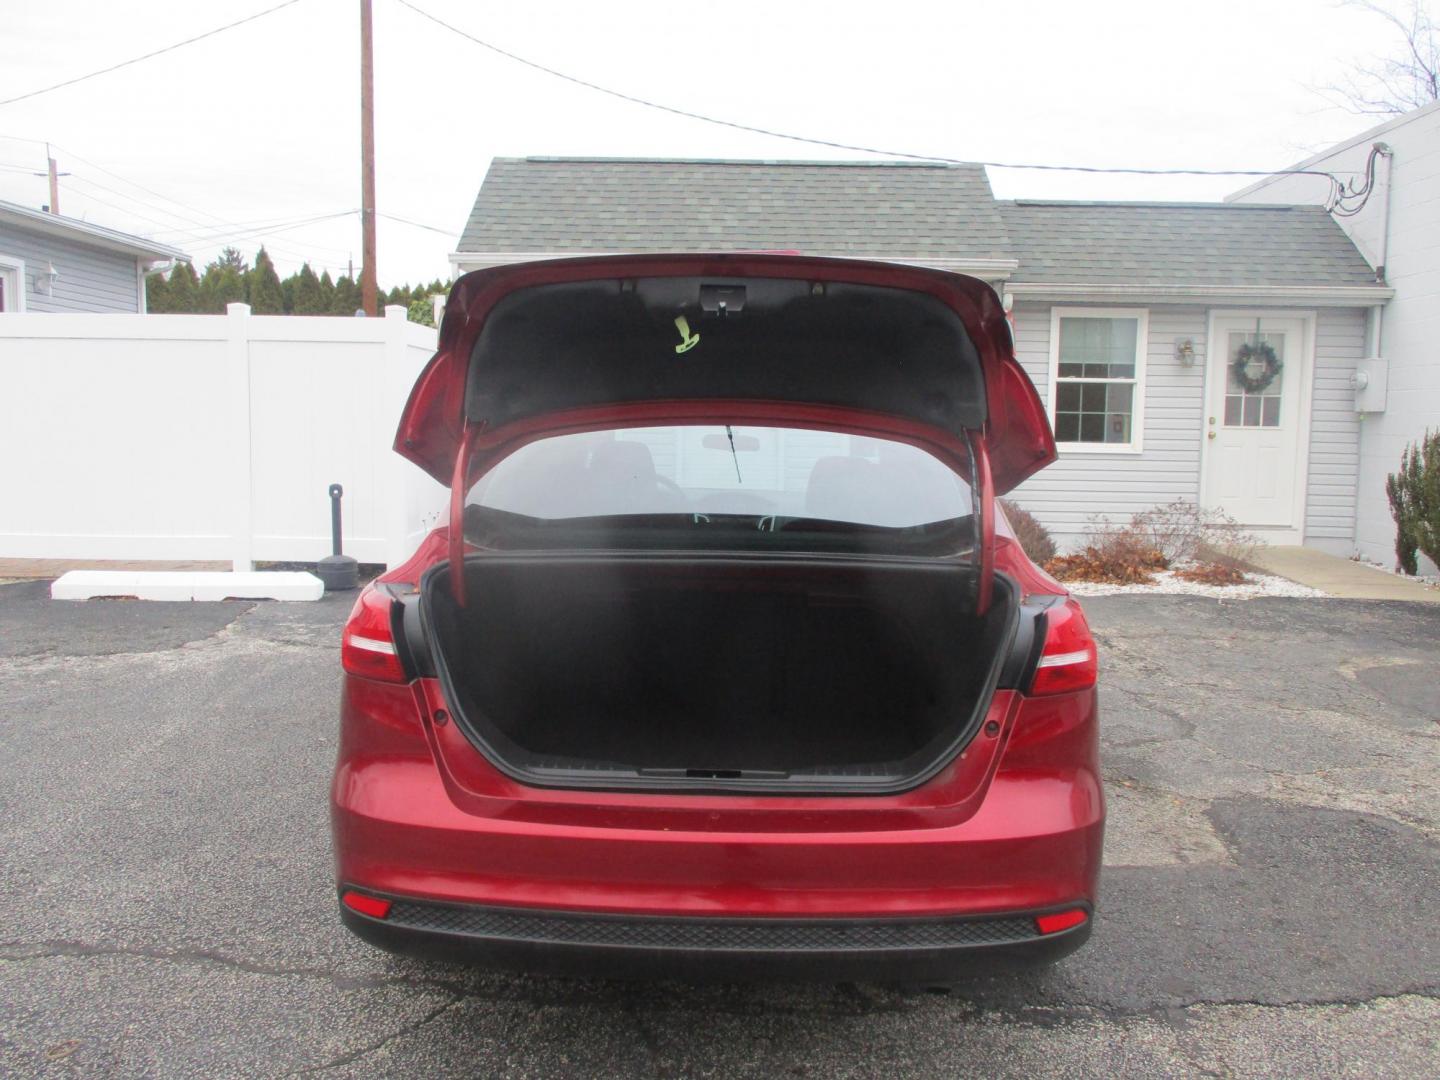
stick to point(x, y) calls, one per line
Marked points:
point(1272, 769)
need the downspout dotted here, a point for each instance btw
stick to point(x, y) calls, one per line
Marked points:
point(1377, 313)
point(1383, 256)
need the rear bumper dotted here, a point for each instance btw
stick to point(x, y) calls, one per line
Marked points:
point(706, 949)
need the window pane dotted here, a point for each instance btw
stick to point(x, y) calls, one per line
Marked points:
point(1092, 427)
point(1252, 411)
point(1270, 412)
point(1232, 410)
point(1098, 348)
point(669, 478)
point(1092, 397)
point(1067, 397)
point(1119, 397)
point(1067, 427)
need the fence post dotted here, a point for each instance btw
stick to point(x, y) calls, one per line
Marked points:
point(392, 384)
point(237, 358)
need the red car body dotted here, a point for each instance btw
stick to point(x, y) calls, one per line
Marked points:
point(994, 855)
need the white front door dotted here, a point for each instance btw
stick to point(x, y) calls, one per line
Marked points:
point(1252, 420)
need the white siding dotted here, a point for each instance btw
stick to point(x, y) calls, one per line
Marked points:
point(1411, 319)
point(90, 279)
point(1081, 486)
point(1334, 431)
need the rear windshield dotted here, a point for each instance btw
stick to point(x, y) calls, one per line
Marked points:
point(722, 486)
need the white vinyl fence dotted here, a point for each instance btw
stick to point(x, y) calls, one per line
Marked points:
point(208, 437)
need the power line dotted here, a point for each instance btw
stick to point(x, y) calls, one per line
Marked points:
point(674, 111)
point(149, 55)
point(211, 235)
point(415, 224)
point(205, 232)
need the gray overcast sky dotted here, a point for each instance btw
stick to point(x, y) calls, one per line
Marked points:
point(261, 123)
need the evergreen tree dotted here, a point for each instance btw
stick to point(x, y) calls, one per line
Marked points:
point(231, 259)
point(265, 295)
point(182, 291)
point(222, 285)
point(347, 297)
point(327, 293)
point(309, 300)
point(157, 294)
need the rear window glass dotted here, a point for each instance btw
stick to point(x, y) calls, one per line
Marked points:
point(718, 485)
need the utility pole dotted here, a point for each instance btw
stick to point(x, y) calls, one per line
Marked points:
point(54, 176)
point(54, 182)
point(367, 162)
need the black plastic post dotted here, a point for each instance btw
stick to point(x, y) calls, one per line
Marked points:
point(336, 492)
point(338, 572)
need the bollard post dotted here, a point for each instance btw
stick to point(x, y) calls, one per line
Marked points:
point(338, 572)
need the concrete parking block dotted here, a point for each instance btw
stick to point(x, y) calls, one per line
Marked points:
point(187, 585)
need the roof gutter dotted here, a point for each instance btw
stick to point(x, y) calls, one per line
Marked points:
point(1307, 295)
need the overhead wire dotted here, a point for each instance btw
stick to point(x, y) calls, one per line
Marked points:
point(415, 224)
point(836, 145)
point(147, 56)
point(216, 231)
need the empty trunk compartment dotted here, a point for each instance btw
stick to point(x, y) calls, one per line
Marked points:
point(727, 672)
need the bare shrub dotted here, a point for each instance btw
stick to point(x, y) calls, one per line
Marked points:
point(1035, 539)
point(1207, 546)
point(1113, 555)
point(1175, 529)
point(1185, 532)
point(1212, 573)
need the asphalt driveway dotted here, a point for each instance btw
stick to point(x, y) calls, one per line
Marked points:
point(1268, 906)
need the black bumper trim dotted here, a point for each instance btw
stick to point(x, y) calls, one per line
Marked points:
point(601, 945)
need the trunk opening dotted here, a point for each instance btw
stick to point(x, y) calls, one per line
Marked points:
point(719, 671)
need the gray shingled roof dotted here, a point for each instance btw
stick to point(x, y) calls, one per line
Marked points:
point(1180, 244)
point(819, 208)
point(898, 210)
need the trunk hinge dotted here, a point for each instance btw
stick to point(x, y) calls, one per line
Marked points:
point(458, 484)
point(985, 509)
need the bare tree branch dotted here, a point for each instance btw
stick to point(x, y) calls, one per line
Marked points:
point(1387, 86)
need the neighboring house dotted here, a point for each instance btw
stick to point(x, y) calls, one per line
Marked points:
point(1398, 231)
point(1127, 316)
point(54, 263)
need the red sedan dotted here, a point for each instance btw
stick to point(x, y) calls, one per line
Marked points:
point(726, 663)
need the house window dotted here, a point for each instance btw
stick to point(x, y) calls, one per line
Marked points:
point(12, 284)
point(1097, 378)
point(1259, 407)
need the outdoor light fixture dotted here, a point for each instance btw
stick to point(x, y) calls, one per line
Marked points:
point(1185, 352)
point(45, 279)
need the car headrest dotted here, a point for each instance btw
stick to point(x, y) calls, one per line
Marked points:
point(623, 460)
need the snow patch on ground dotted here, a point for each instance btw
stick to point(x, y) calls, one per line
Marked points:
point(1167, 583)
point(1432, 580)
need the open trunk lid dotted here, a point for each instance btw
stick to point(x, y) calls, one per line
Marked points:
point(526, 347)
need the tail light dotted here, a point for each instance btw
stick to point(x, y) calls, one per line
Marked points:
point(375, 906)
point(367, 646)
point(1069, 661)
point(1060, 920)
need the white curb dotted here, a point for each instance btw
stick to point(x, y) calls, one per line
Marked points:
point(187, 585)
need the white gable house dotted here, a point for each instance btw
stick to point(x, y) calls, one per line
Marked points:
point(1202, 352)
